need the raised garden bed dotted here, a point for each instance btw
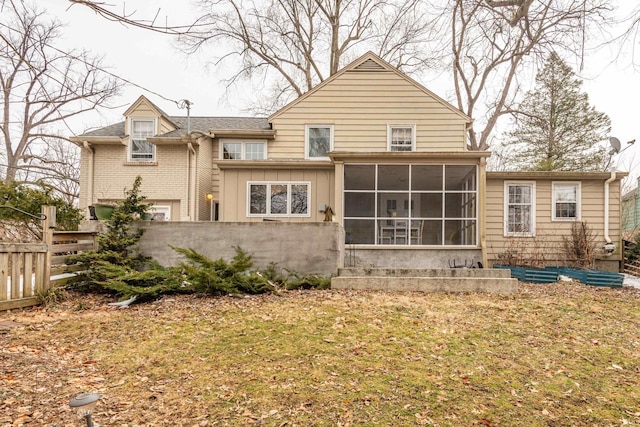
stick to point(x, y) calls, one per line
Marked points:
point(531, 275)
point(588, 276)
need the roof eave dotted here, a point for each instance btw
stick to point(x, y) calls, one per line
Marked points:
point(99, 140)
point(243, 133)
point(554, 175)
point(274, 164)
point(408, 155)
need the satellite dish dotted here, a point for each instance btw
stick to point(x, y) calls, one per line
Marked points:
point(615, 145)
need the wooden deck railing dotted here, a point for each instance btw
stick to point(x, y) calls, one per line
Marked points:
point(30, 269)
point(632, 268)
point(63, 245)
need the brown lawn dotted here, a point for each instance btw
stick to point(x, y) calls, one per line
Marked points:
point(551, 355)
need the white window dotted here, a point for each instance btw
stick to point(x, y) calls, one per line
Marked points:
point(243, 150)
point(318, 141)
point(402, 138)
point(278, 198)
point(160, 213)
point(565, 204)
point(520, 209)
point(140, 149)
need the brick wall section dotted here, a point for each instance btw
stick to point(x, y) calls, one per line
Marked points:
point(112, 174)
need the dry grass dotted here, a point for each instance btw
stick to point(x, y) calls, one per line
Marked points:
point(561, 355)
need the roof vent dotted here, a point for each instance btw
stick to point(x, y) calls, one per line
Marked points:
point(370, 65)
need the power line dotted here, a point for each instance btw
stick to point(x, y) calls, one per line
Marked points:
point(94, 66)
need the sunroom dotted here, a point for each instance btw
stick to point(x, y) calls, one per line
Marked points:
point(423, 202)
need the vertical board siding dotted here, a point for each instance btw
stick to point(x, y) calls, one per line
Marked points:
point(235, 190)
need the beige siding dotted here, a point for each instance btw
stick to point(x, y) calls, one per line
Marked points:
point(547, 245)
point(145, 110)
point(165, 126)
point(234, 206)
point(215, 172)
point(360, 106)
point(204, 180)
point(142, 111)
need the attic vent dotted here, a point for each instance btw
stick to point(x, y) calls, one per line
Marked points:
point(370, 65)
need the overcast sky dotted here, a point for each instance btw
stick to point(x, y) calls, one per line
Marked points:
point(149, 60)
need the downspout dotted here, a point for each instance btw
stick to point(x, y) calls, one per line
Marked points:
point(191, 180)
point(609, 247)
point(482, 214)
point(85, 144)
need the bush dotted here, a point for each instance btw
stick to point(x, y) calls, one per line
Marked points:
point(118, 268)
point(220, 277)
point(632, 252)
point(117, 257)
point(579, 246)
point(28, 199)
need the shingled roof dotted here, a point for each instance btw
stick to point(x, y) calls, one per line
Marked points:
point(204, 124)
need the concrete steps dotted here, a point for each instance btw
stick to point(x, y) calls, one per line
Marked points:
point(426, 280)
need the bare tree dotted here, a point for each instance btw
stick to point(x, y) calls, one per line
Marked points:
point(296, 44)
point(487, 55)
point(42, 87)
point(56, 165)
point(628, 41)
point(519, 9)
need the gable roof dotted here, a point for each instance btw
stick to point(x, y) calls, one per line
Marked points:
point(143, 99)
point(370, 62)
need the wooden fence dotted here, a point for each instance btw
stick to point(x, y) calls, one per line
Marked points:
point(632, 268)
point(23, 274)
point(30, 269)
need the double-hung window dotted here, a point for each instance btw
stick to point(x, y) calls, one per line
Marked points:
point(565, 201)
point(290, 199)
point(318, 142)
point(520, 209)
point(402, 138)
point(140, 149)
point(243, 150)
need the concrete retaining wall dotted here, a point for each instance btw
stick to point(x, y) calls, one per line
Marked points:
point(308, 248)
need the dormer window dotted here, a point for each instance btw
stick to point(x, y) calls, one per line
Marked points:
point(141, 150)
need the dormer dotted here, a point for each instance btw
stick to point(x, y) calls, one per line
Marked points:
point(143, 120)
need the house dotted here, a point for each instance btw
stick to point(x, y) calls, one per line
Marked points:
point(385, 154)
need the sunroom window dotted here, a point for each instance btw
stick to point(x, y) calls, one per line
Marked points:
point(410, 204)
